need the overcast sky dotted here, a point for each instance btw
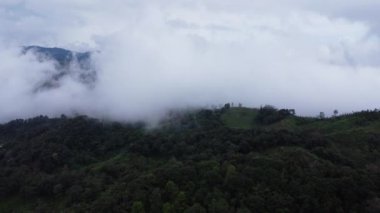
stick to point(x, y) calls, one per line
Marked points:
point(153, 55)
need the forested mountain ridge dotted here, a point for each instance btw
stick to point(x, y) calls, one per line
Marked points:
point(222, 160)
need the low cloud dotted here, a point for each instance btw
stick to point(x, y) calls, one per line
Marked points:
point(151, 57)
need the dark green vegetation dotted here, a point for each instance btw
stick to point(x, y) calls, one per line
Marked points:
point(228, 160)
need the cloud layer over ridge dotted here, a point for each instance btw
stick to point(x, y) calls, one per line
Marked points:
point(154, 55)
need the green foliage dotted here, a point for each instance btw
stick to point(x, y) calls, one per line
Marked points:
point(171, 190)
point(180, 203)
point(155, 201)
point(196, 208)
point(269, 115)
point(197, 161)
point(168, 208)
point(239, 117)
point(138, 207)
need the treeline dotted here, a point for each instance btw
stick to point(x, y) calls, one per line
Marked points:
point(269, 114)
point(192, 163)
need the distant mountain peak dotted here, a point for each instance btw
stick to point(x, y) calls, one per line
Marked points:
point(61, 56)
point(68, 64)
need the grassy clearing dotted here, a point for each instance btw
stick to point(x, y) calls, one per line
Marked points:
point(243, 118)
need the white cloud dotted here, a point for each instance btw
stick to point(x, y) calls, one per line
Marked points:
point(155, 55)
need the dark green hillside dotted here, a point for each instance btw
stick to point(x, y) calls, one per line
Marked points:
point(225, 160)
point(239, 117)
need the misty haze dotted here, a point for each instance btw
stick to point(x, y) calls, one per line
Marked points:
point(151, 57)
point(189, 106)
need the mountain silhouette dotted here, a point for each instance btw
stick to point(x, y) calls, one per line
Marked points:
point(77, 66)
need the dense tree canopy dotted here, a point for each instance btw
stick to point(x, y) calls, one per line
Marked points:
point(192, 162)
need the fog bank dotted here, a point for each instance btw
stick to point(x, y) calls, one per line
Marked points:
point(151, 57)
